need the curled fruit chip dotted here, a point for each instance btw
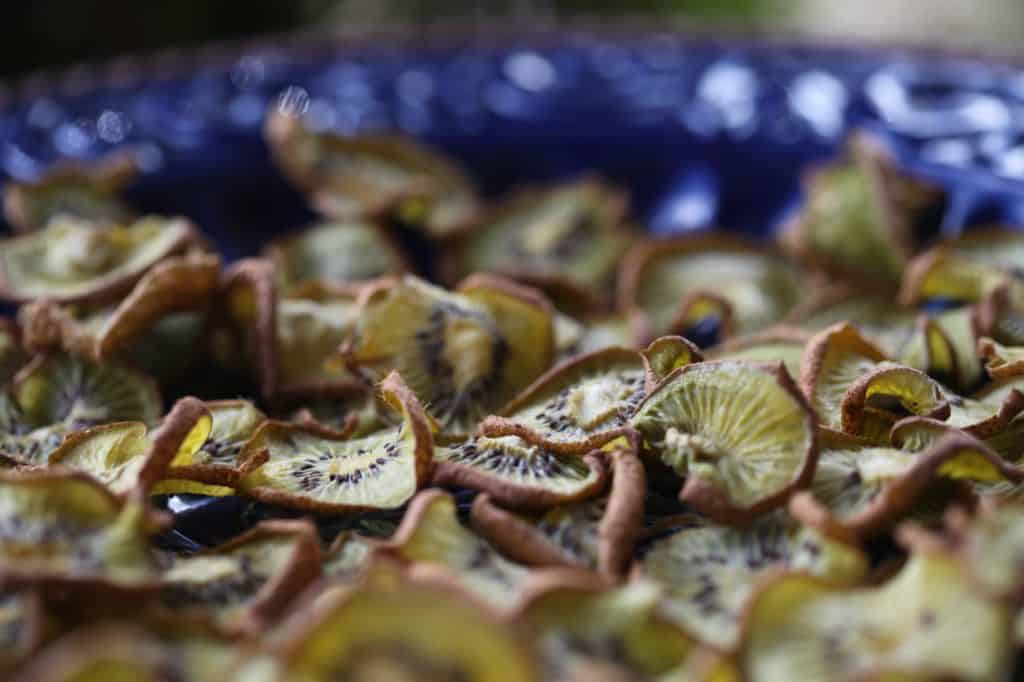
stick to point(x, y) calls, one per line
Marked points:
point(708, 572)
point(125, 458)
point(961, 329)
point(64, 528)
point(334, 253)
point(464, 354)
point(859, 216)
point(519, 474)
point(566, 240)
point(245, 584)
point(741, 433)
point(863, 490)
point(217, 460)
point(579, 626)
point(394, 629)
point(926, 621)
point(782, 344)
point(71, 261)
point(430, 533)
point(89, 193)
point(597, 534)
point(1002, 361)
point(370, 175)
point(174, 285)
point(310, 467)
point(670, 286)
point(875, 401)
point(586, 402)
point(291, 342)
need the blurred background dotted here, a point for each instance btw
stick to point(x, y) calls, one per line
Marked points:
point(52, 33)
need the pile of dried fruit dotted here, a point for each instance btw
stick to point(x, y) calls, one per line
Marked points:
point(536, 480)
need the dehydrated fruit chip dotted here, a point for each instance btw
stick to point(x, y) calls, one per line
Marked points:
point(318, 469)
point(371, 175)
point(217, 460)
point(71, 261)
point(741, 433)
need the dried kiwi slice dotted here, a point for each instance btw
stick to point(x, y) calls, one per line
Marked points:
point(597, 534)
point(369, 175)
point(961, 327)
point(859, 216)
point(519, 474)
point(708, 572)
point(336, 252)
point(128, 460)
point(939, 273)
point(926, 621)
point(217, 461)
point(87, 192)
point(875, 401)
point(580, 626)
point(781, 344)
point(566, 240)
point(430, 533)
point(394, 629)
point(464, 354)
point(317, 469)
point(1001, 361)
point(175, 285)
point(669, 286)
point(74, 261)
point(864, 490)
point(585, 402)
point(741, 433)
point(247, 583)
point(64, 528)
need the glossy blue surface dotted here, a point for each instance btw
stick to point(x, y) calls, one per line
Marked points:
point(701, 132)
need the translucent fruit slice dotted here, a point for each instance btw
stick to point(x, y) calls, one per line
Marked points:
point(175, 285)
point(583, 403)
point(864, 490)
point(741, 433)
point(708, 572)
point(464, 354)
point(64, 528)
point(519, 474)
point(391, 628)
point(926, 621)
point(597, 534)
point(309, 467)
point(566, 240)
point(369, 175)
point(74, 261)
point(668, 286)
point(218, 461)
point(582, 625)
point(246, 584)
point(430, 533)
point(859, 215)
point(338, 252)
point(87, 192)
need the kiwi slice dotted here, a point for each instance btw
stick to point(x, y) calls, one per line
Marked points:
point(566, 240)
point(875, 401)
point(22, 627)
point(430, 533)
point(939, 273)
point(859, 216)
point(961, 327)
point(927, 620)
point(335, 253)
point(317, 469)
point(86, 192)
point(708, 572)
point(373, 175)
point(582, 624)
point(64, 528)
point(865, 489)
point(175, 285)
point(519, 474)
point(741, 433)
point(217, 461)
point(392, 628)
point(74, 261)
point(781, 344)
point(464, 354)
point(78, 392)
point(245, 584)
point(597, 534)
point(1001, 361)
point(669, 286)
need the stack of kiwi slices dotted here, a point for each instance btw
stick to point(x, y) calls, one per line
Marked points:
point(329, 463)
